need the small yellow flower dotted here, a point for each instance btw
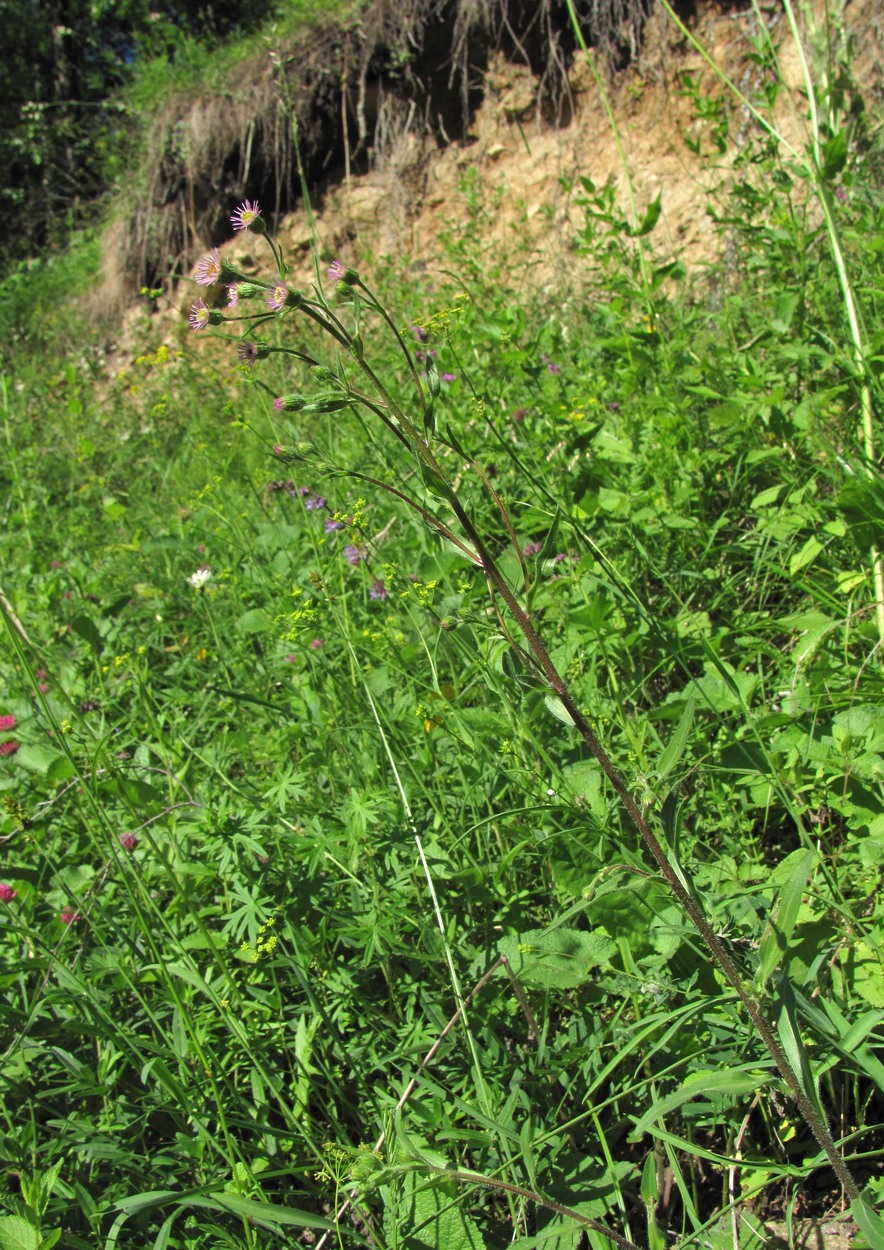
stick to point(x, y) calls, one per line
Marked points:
point(202, 653)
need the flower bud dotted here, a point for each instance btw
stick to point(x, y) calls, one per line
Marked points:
point(339, 272)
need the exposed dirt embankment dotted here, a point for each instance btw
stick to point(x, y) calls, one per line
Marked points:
point(508, 180)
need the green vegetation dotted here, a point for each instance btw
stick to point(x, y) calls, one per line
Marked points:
point(281, 782)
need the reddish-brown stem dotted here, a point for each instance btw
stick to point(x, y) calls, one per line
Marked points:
point(814, 1121)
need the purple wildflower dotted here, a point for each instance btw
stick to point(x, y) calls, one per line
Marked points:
point(331, 525)
point(69, 915)
point(128, 841)
point(7, 894)
point(315, 644)
point(208, 268)
point(314, 503)
point(552, 367)
point(520, 414)
point(449, 377)
point(246, 215)
point(199, 315)
point(248, 353)
point(232, 295)
point(419, 333)
point(377, 590)
point(532, 549)
point(353, 554)
point(277, 297)
point(336, 270)
point(840, 195)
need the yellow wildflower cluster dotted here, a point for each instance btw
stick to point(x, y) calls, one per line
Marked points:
point(441, 324)
point(578, 413)
point(159, 357)
point(265, 945)
point(299, 619)
point(209, 487)
point(424, 592)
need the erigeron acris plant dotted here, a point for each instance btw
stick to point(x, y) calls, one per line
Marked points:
point(344, 324)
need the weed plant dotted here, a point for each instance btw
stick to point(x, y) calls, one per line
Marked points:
point(281, 783)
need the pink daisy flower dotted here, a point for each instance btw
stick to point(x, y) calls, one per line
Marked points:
point(336, 270)
point(232, 296)
point(199, 315)
point(208, 268)
point(246, 215)
point(277, 297)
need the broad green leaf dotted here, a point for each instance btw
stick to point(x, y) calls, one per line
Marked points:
point(834, 154)
point(37, 758)
point(431, 1216)
point(725, 1081)
point(781, 922)
point(560, 1234)
point(556, 706)
point(16, 1233)
point(255, 621)
point(561, 958)
point(806, 555)
point(869, 1222)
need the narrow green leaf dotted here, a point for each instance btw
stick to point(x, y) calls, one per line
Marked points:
point(796, 1053)
point(261, 1212)
point(161, 1241)
point(434, 386)
point(650, 219)
point(656, 1240)
point(698, 1085)
point(674, 749)
point(781, 922)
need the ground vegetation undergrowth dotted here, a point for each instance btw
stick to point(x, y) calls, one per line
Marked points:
point(280, 783)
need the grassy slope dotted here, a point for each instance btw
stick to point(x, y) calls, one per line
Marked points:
point(235, 1002)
